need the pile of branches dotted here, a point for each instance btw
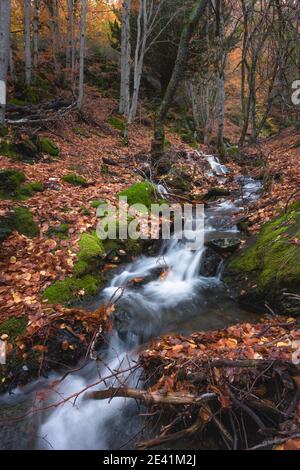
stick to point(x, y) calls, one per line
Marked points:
point(34, 114)
point(237, 388)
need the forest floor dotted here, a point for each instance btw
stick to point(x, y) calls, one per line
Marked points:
point(28, 266)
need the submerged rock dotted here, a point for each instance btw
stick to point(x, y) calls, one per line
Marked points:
point(224, 245)
point(267, 270)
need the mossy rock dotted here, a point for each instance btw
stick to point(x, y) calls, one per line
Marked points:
point(48, 147)
point(86, 279)
point(13, 327)
point(90, 247)
point(74, 179)
point(140, 193)
point(12, 187)
point(22, 221)
point(63, 292)
point(5, 228)
point(10, 182)
point(179, 179)
point(270, 265)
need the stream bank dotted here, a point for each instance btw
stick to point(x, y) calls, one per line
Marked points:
point(188, 297)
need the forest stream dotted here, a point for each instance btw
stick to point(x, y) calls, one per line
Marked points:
point(190, 297)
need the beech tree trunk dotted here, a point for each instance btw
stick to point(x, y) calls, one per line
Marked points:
point(5, 7)
point(142, 33)
point(124, 104)
point(70, 34)
point(27, 18)
point(221, 76)
point(36, 34)
point(81, 53)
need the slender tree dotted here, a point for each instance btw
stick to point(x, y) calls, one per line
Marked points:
point(4, 53)
point(81, 53)
point(27, 20)
point(124, 104)
point(36, 33)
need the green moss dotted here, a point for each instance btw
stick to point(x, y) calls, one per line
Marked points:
point(90, 247)
point(117, 123)
point(76, 180)
point(96, 204)
point(48, 147)
point(140, 193)
point(62, 292)
point(273, 259)
point(61, 231)
point(10, 182)
point(22, 221)
point(11, 186)
point(13, 327)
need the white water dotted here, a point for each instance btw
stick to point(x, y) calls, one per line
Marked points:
point(86, 425)
point(173, 291)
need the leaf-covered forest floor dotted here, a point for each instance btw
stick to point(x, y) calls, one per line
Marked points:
point(92, 147)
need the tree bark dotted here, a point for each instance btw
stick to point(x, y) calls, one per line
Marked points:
point(36, 34)
point(70, 34)
point(27, 20)
point(81, 54)
point(139, 57)
point(124, 104)
point(5, 9)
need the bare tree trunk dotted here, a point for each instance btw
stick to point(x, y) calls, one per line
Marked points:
point(70, 34)
point(4, 53)
point(81, 53)
point(221, 77)
point(27, 20)
point(139, 57)
point(182, 54)
point(124, 103)
point(11, 62)
point(36, 34)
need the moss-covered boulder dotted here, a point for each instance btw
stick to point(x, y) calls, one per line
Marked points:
point(48, 147)
point(22, 221)
point(141, 193)
point(267, 270)
point(12, 185)
point(10, 182)
point(87, 278)
point(74, 179)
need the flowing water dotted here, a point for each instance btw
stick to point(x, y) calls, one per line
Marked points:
point(176, 295)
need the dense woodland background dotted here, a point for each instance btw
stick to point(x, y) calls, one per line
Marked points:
point(217, 61)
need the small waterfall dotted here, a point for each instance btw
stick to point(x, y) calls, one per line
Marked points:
point(217, 168)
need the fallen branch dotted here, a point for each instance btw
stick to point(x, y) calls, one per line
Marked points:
point(150, 398)
point(273, 442)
